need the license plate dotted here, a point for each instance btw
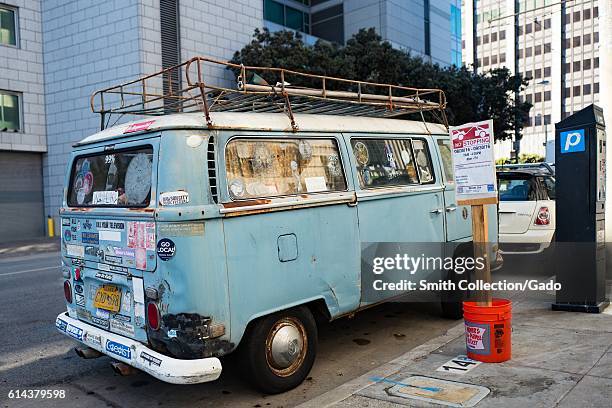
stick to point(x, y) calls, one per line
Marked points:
point(108, 297)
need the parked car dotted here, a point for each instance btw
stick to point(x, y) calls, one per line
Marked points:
point(526, 208)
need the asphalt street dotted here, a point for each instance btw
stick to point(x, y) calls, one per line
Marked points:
point(33, 355)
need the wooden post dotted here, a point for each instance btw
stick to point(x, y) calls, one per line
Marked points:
point(480, 234)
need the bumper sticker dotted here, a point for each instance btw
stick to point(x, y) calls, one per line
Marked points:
point(150, 359)
point(118, 349)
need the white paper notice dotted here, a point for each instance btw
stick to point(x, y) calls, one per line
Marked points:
point(76, 251)
point(105, 197)
point(314, 184)
point(473, 160)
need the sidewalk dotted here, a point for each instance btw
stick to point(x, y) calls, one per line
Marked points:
point(29, 247)
point(559, 359)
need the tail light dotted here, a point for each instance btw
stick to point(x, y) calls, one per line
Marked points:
point(68, 291)
point(153, 316)
point(77, 274)
point(543, 217)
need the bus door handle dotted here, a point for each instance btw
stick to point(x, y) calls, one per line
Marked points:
point(436, 211)
point(451, 208)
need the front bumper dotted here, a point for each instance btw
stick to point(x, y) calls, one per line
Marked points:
point(136, 354)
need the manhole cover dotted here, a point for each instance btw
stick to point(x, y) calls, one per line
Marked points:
point(449, 393)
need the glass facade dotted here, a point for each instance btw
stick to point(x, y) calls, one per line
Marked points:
point(455, 24)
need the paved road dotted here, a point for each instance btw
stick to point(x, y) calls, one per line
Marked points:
point(34, 355)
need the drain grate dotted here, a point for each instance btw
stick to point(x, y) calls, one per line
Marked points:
point(435, 390)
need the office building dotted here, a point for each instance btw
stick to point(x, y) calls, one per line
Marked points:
point(55, 53)
point(557, 45)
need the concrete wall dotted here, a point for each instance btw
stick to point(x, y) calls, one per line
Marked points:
point(21, 70)
point(88, 45)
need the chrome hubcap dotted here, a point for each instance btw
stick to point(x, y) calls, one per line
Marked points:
point(286, 346)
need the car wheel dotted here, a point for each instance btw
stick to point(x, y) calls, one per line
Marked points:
point(280, 349)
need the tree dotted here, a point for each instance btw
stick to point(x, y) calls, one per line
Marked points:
point(470, 96)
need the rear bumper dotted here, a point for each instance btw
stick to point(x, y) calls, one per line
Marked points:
point(136, 354)
point(534, 241)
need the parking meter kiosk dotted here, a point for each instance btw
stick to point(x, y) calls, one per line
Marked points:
point(580, 169)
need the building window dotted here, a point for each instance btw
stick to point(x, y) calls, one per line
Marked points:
point(566, 92)
point(586, 64)
point(547, 48)
point(521, 53)
point(586, 14)
point(576, 42)
point(576, 66)
point(547, 23)
point(576, 16)
point(502, 35)
point(485, 39)
point(528, 51)
point(538, 97)
point(328, 24)
point(577, 90)
point(546, 72)
point(538, 120)
point(596, 87)
point(8, 25)
point(502, 57)
point(493, 59)
point(493, 37)
point(586, 40)
point(547, 95)
point(10, 112)
point(596, 62)
point(477, 40)
point(547, 119)
point(537, 50)
point(529, 98)
point(528, 28)
point(595, 12)
point(586, 89)
point(566, 43)
point(596, 37)
point(485, 61)
point(286, 16)
point(537, 73)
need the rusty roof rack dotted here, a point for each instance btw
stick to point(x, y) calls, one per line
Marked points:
point(182, 88)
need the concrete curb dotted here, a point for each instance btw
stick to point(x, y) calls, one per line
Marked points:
point(385, 370)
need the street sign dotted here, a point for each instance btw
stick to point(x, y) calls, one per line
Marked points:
point(476, 185)
point(474, 163)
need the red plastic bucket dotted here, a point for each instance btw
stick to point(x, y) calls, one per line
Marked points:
point(488, 331)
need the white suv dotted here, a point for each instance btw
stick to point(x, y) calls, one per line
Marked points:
point(526, 208)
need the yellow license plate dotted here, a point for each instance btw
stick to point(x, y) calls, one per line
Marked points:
point(108, 297)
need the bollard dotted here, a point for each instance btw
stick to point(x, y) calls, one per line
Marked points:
point(50, 227)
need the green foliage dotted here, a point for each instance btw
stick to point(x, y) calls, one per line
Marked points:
point(523, 158)
point(471, 97)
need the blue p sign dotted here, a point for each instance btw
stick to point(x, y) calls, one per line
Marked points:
point(572, 141)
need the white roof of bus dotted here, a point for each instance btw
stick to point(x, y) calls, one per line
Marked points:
point(270, 122)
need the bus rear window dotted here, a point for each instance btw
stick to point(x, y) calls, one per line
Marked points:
point(112, 179)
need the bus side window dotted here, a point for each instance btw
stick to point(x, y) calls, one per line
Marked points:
point(421, 154)
point(281, 167)
point(447, 160)
point(384, 162)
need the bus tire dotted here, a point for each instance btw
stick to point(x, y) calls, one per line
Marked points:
point(280, 349)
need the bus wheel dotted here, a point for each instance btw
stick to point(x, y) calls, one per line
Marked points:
point(280, 349)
